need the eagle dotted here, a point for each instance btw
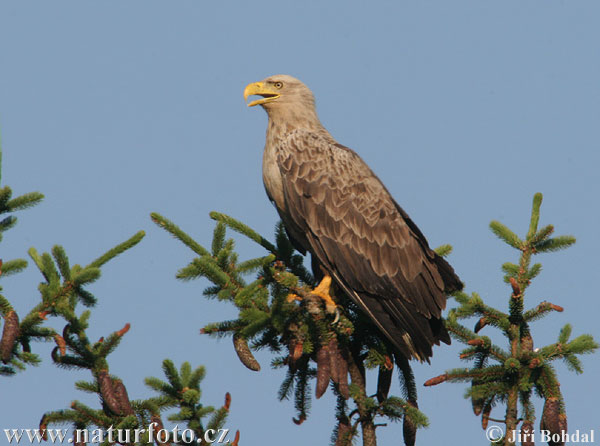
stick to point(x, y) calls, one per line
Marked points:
point(333, 206)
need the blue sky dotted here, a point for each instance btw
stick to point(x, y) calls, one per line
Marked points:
point(464, 109)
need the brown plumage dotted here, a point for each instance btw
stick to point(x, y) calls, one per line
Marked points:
point(336, 208)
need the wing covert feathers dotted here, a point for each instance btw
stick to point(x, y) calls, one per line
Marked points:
point(338, 209)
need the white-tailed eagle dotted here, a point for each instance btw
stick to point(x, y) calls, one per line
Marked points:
point(333, 206)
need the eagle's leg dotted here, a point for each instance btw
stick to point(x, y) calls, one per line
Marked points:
point(292, 297)
point(323, 290)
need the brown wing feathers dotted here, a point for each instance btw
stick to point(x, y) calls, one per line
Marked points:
point(343, 215)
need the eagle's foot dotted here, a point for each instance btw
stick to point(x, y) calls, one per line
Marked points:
point(292, 297)
point(323, 290)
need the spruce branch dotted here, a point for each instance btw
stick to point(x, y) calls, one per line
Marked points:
point(505, 234)
point(181, 391)
point(17, 332)
point(176, 232)
point(554, 244)
point(443, 250)
point(61, 292)
point(278, 310)
point(520, 369)
point(244, 230)
point(119, 249)
point(23, 202)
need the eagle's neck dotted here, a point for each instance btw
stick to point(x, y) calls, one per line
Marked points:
point(284, 120)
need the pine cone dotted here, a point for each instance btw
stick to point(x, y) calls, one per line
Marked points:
point(10, 333)
point(553, 420)
point(339, 368)
point(108, 393)
point(243, 351)
point(157, 428)
point(323, 371)
point(477, 403)
point(480, 324)
point(296, 348)
point(436, 380)
point(344, 433)
point(120, 393)
point(527, 434)
point(384, 381)
point(409, 430)
point(44, 427)
point(485, 416)
point(527, 344)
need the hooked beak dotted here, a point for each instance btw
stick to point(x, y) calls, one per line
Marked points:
point(260, 89)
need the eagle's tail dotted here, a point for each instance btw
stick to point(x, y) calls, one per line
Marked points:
point(451, 281)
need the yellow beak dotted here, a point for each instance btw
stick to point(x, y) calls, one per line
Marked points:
point(260, 89)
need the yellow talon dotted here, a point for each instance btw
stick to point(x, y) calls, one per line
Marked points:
point(323, 290)
point(292, 297)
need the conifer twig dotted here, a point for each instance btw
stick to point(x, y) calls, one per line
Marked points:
point(521, 368)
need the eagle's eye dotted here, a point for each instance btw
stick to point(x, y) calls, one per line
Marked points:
point(278, 84)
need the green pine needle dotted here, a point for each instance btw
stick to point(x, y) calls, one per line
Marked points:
point(443, 250)
point(574, 364)
point(5, 305)
point(120, 248)
point(196, 377)
point(5, 194)
point(505, 234)
point(86, 298)
point(244, 230)
point(217, 421)
point(204, 266)
point(582, 344)
point(109, 345)
point(252, 265)
point(172, 375)
point(24, 201)
point(176, 232)
point(538, 312)
point(555, 243)
point(533, 271)
point(86, 276)
point(565, 334)
point(87, 386)
point(542, 234)
point(218, 238)
point(158, 385)
point(535, 214)
point(511, 270)
point(13, 267)
point(60, 256)
point(36, 258)
point(7, 223)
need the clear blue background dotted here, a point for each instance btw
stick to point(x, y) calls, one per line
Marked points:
point(465, 109)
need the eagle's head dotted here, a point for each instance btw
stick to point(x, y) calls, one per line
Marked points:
point(280, 91)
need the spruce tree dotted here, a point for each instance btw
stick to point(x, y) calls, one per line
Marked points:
point(15, 350)
point(277, 311)
point(513, 374)
point(117, 418)
point(62, 292)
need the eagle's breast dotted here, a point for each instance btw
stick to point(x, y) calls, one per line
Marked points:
point(272, 177)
